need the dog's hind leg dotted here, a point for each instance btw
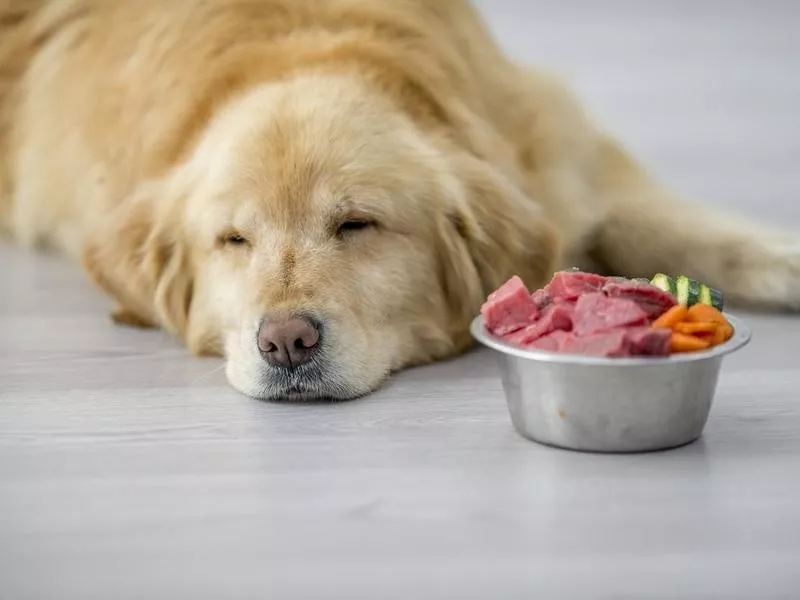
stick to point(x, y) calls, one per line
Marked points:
point(648, 230)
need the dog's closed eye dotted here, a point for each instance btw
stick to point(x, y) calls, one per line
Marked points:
point(232, 238)
point(353, 225)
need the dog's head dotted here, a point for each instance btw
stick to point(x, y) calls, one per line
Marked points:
point(319, 239)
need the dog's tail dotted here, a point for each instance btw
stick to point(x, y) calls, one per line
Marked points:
point(648, 230)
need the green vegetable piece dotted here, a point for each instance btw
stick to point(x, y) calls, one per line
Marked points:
point(665, 283)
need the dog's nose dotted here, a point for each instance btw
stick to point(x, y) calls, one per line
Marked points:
point(288, 341)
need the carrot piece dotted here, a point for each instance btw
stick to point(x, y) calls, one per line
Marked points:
point(705, 313)
point(695, 328)
point(680, 342)
point(719, 336)
point(727, 330)
point(672, 317)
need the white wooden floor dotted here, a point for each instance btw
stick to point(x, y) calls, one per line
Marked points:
point(129, 470)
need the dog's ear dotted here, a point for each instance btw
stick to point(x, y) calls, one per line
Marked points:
point(138, 256)
point(492, 232)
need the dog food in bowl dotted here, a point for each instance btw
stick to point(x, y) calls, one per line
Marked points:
point(588, 314)
point(606, 364)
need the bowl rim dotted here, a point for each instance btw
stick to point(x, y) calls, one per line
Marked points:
point(741, 336)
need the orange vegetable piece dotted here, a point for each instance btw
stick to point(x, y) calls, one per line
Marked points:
point(672, 317)
point(695, 328)
point(680, 342)
point(727, 331)
point(704, 313)
point(719, 336)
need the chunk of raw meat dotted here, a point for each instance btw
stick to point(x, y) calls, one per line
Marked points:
point(609, 344)
point(552, 342)
point(596, 313)
point(650, 299)
point(509, 308)
point(541, 298)
point(649, 341)
point(555, 317)
point(570, 285)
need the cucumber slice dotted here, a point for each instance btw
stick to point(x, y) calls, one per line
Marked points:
point(710, 296)
point(694, 292)
point(683, 290)
point(717, 299)
point(665, 283)
point(705, 295)
point(690, 292)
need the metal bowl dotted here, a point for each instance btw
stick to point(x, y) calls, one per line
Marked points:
point(596, 404)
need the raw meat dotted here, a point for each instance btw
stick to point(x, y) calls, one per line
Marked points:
point(648, 341)
point(541, 298)
point(596, 313)
point(610, 344)
point(618, 343)
point(509, 308)
point(650, 299)
point(581, 313)
point(554, 317)
point(552, 342)
point(570, 285)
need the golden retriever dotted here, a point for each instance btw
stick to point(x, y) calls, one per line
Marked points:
point(324, 191)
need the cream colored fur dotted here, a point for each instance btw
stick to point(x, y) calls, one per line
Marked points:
point(138, 137)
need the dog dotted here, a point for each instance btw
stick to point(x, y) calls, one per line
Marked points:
point(325, 191)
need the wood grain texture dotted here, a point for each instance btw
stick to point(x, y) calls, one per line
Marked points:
point(130, 470)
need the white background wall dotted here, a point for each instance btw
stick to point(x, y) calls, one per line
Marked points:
point(707, 93)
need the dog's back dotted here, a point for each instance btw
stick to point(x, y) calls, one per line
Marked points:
point(16, 49)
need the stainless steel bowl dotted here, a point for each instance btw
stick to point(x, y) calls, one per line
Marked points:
point(597, 404)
